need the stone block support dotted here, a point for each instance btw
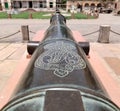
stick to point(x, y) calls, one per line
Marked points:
point(104, 34)
point(25, 32)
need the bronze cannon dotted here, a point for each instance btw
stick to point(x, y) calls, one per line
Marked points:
point(59, 76)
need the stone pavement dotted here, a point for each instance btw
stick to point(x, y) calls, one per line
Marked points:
point(109, 55)
point(12, 48)
point(10, 53)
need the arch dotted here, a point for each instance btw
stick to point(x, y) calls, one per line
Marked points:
point(86, 5)
point(99, 5)
point(78, 5)
point(92, 6)
point(118, 12)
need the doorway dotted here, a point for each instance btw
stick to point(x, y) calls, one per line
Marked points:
point(6, 5)
point(30, 4)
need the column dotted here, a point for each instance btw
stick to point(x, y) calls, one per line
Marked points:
point(47, 2)
point(54, 4)
point(9, 4)
point(104, 34)
point(27, 4)
point(2, 3)
point(67, 7)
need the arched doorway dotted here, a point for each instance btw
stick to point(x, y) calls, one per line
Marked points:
point(86, 6)
point(92, 6)
point(99, 5)
point(79, 7)
point(118, 12)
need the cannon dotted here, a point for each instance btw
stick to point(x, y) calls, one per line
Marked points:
point(59, 76)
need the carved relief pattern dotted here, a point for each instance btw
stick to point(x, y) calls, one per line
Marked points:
point(61, 58)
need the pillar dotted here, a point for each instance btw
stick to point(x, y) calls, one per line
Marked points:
point(25, 32)
point(104, 34)
point(9, 4)
point(47, 4)
point(54, 4)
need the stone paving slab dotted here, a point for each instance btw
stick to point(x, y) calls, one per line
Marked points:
point(10, 54)
point(101, 49)
point(110, 57)
point(114, 63)
point(19, 52)
point(9, 50)
point(6, 52)
point(6, 69)
point(3, 45)
point(2, 82)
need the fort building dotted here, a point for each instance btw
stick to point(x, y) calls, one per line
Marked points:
point(50, 5)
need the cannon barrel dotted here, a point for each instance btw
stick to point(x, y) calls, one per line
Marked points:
point(59, 76)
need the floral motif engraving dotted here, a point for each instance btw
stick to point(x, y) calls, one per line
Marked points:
point(60, 57)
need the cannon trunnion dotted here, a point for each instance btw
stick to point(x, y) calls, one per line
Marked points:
point(59, 76)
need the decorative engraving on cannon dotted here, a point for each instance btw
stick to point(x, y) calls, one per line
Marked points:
point(60, 57)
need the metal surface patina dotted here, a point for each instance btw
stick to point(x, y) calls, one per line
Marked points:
point(59, 76)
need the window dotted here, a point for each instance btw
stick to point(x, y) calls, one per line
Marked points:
point(51, 4)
